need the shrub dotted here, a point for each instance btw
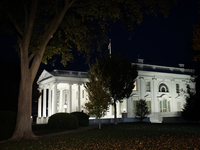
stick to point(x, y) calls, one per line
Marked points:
point(83, 119)
point(62, 121)
point(7, 124)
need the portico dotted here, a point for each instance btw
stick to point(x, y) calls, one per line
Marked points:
point(58, 92)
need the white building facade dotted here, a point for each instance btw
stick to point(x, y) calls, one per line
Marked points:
point(162, 87)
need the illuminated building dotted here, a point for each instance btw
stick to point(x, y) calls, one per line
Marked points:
point(162, 87)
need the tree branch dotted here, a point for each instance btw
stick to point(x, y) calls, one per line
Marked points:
point(48, 35)
point(15, 23)
point(24, 45)
point(29, 29)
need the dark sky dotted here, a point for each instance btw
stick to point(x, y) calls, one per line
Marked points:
point(160, 40)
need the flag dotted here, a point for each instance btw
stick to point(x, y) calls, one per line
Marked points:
point(109, 46)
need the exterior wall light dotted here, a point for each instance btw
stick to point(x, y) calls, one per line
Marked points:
point(124, 110)
point(65, 107)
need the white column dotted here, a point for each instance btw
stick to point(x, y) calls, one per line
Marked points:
point(39, 104)
point(142, 88)
point(68, 101)
point(44, 102)
point(118, 109)
point(79, 98)
point(61, 101)
point(155, 99)
point(49, 102)
point(54, 98)
point(109, 113)
point(173, 100)
point(153, 95)
point(70, 97)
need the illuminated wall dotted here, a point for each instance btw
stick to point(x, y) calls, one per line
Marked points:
point(162, 87)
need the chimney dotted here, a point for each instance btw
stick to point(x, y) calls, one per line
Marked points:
point(181, 65)
point(140, 61)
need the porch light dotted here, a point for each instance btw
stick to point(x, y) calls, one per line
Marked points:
point(65, 107)
point(124, 109)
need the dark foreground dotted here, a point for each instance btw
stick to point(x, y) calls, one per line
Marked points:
point(121, 136)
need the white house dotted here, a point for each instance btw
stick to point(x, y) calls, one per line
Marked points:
point(162, 87)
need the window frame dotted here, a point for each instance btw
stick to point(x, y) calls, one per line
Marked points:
point(148, 86)
point(135, 83)
point(177, 88)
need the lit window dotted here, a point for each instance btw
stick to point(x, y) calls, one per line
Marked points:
point(134, 105)
point(135, 86)
point(177, 88)
point(148, 86)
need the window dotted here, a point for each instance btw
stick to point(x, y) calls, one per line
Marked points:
point(177, 88)
point(168, 106)
point(163, 88)
point(148, 86)
point(164, 106)
point(135, 88)
point(149, 106)
point(82, 93)
point(134, 105)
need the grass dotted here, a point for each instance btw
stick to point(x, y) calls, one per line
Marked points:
point(41, 129)
point(121, 136)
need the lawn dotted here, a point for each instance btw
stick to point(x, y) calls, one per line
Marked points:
point(121, 136)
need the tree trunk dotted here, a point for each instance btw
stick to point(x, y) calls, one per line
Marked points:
point(99, 123)
point(23, 129)
point(115, 113)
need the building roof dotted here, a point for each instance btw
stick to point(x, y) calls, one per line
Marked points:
point(164, 69)
point(141, 67)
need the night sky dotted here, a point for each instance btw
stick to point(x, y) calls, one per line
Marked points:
point(158, 40)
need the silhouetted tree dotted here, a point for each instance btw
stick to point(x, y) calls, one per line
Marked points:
point(191, 109)
point(46, 28)
point(98, 97)
point(122, 76)
point(141, 111)
point(196, 41)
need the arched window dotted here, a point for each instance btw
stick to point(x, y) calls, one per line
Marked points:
point(163, 88)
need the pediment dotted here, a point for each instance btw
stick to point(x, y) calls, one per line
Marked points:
point(45, 75)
